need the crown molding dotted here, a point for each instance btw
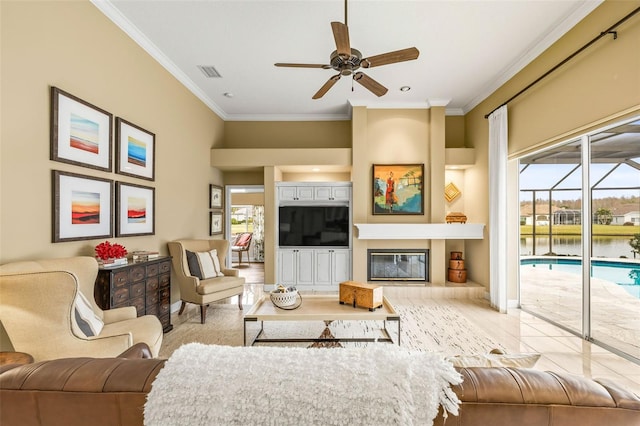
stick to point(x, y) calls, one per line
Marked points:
point(111, 12)
point(288, 117)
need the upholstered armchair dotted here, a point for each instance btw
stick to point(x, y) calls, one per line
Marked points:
point(48, 310)
point(200, 287)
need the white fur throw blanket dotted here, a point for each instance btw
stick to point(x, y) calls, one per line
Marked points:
point(223, 385)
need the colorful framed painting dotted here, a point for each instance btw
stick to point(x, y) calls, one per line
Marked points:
point(398, 189)
point(82, 207)
point(135, 150)
point(215, 223)
point(80, 132)
point(215, 197)
point(135, 210)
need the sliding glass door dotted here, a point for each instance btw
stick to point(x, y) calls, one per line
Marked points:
point(579, 216)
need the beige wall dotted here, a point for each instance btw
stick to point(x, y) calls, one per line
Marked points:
point(247, 199)
point(73, 46)
point(599, 85)
point(289, 134)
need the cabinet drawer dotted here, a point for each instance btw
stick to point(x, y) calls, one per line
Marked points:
point(137, 289)
point(164, 308)
point(152, 310)
point(165, 280)
point(164, 267)
point(165, 293)
point(152, 270)
point(120, 295)
point(137, 273)
point(120, 279)
point(152, 285)
point(138, 302)
point(152, 299)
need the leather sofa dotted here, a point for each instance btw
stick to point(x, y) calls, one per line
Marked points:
point(112, 391)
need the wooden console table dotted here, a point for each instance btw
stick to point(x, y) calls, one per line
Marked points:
point(145, 285)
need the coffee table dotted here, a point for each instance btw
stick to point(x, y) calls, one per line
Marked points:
point(320, 308)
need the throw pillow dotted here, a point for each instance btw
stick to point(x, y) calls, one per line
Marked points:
point(204, 264)
point(495, 360)
point(89, 323)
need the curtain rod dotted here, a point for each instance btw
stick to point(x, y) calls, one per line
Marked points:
point(608, 31)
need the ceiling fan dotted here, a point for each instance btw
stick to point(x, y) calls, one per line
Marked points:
point(347, 60)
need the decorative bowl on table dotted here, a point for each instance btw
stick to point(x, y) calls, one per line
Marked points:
point(284, 297)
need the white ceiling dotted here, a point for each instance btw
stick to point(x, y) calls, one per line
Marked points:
point(467, 49)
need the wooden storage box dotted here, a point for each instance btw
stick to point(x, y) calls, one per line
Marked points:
point(360, 294)
point(458, 275)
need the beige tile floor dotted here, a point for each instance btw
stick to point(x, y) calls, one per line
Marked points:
point(519, 331)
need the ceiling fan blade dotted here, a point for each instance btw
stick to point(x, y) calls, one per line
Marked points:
point(284, 64)
point(341, 35)
point(369, 83)
point(325, 88)
point(390, 57)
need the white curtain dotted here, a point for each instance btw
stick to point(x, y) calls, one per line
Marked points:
point(498, 208)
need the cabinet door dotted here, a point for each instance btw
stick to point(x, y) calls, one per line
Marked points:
point(287, 193)
point(304, 193)
point(342, 193)
point(305, 266)
point(287, 270)
point(322, 192)
point(323, 273)
point(340, 265)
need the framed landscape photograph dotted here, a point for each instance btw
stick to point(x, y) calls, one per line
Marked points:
point(135, 210)
point(80, 132)
point(215, 223)
point(215, 197)
point(135, 150)
point(82, 207)
point(398, 189)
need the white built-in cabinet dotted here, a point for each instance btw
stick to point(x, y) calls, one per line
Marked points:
point(313, 268)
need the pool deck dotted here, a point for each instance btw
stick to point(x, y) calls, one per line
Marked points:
point(557, 296)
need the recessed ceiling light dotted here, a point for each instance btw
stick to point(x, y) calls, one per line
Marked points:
point(315, 169)
point(405, 88)
point(228, 94)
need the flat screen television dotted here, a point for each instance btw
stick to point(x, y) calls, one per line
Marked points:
point(313, 226)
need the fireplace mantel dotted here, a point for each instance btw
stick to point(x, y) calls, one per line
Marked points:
point(420, 231)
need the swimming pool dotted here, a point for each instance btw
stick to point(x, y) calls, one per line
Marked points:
point(625, 274)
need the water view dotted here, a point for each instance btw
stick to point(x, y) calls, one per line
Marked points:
point(612, 247)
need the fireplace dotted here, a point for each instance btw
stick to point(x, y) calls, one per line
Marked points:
point(398, 265)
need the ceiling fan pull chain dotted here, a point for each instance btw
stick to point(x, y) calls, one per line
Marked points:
point(352, 84)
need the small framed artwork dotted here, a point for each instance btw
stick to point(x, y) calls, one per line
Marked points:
point(82, 207)
point(215, 197)
point(215, 223)
point(398, 189)
point(80, 132)
point(135, 210)
point(135, 150)
point(451, 192)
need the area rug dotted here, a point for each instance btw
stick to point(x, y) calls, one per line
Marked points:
point(424, 328)
point(223, 385)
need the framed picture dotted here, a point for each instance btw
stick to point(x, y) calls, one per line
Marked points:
point(135, 210)
point(215, 223)
point(80, 132)
point(398, 189)
point(135, 150)
point(215, 197)
point(82, 207)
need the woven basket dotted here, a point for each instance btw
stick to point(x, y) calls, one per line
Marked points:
point(284, 300)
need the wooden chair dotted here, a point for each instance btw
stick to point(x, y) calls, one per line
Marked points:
point(241, 244)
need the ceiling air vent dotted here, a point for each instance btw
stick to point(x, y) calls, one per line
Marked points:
point(209, 71)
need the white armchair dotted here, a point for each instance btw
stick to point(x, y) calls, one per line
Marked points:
point(38, 309)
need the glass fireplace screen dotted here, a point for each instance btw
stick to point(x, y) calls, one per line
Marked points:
point(398, 265)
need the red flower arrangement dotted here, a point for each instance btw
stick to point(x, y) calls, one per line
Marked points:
point(107, 250)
